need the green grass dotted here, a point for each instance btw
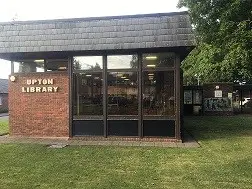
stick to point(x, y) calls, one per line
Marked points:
point(223, 161)
point(4, 129)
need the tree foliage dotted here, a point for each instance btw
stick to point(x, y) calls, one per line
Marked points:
point(223, 31)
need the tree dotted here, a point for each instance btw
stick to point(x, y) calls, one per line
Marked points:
point(134, 61)
point(76, 64)
point(223, 30)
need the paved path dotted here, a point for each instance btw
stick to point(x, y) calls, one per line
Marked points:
point(188, 143)
point(4, 114)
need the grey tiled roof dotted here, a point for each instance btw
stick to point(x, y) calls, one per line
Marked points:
point(3, 85)
point(102, 33)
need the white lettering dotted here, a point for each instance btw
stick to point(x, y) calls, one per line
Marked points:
point(34, 81)
point(55, 89)
point(28, 81)
point(44, 89)
point(50, 82)
point(49, 89)
point(32, 89)
point(39, 81)
point(44, 81)
point(38, 89)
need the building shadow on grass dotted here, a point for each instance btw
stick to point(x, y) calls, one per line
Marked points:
point(204, 128)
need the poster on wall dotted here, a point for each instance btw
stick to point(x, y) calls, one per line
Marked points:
point(197, 97)
point(217, 104)
point(187, 97)
point(230, 95)
point(218, 94)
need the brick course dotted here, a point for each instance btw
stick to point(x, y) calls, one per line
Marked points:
point(39, 114)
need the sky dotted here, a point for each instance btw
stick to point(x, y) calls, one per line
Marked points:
point(21, 10)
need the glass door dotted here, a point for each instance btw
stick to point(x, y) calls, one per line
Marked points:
point(88, 95)
point(158, 94)
point(122, 95)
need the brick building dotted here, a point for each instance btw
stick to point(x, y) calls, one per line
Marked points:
point(108, 76)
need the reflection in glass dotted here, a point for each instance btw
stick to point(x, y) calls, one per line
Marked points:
point(57, 64)
point(122, 93)
point(155, 60)
point(87, 94)
point(27, 66)
point(158, 93)
point(122, 61)
point(93, 63)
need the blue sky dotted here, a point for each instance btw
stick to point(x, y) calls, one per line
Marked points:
point(55, 9)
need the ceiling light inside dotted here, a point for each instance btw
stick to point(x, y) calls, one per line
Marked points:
point(62, 68)
point(151, 65)
point(151, 57)
point(39, 61)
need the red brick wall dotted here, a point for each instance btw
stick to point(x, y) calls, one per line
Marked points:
point(39, 114)
point(209, 88)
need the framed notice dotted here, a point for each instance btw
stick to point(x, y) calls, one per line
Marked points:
point(218, 94)
point(230, 95)
point(187, 97)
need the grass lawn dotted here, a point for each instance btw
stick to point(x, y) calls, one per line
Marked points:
point(4, 126)
point(223, 161)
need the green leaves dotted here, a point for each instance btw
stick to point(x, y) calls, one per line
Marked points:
point(224, 32)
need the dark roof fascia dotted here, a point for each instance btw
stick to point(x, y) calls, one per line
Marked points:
point(96, 18)
point(182, 50)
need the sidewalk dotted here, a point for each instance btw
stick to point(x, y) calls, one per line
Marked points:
point(189, 142)
point(4, 114)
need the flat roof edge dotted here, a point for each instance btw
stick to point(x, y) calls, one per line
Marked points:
point(97, 18)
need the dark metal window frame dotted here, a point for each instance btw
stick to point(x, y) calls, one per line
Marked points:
point(140, 70)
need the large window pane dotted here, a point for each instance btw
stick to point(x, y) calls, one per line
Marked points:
point(155, 60)
point(158, 93)
point(57, 64)
point(93, 63)
point(27, 66)
point(122, 61)
point(122, 93)
point(87, 94)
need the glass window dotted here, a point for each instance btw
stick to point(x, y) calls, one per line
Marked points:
point(122, 61)
point(122, 93)
point(57, 64)
point(26, 66)
point(158, 93)
point(87, 94)
point(93, 63)
point(155, 60)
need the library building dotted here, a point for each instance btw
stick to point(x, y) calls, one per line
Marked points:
point(104, 77)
